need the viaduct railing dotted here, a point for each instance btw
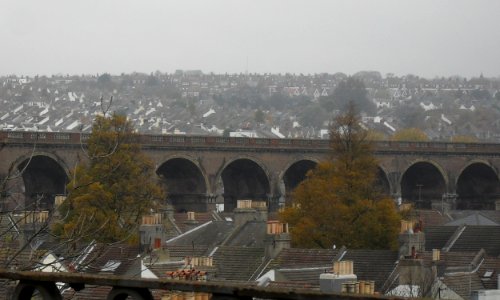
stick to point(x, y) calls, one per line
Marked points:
point(140, 289)
point(175, 141)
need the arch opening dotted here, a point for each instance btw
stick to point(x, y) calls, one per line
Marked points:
point(294, 175)
point(43, 179)
point(244, 179)
point(477, 187)
point(422, 184)
point(185, 185)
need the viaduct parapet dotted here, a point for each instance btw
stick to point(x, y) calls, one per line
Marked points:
point(201, 172)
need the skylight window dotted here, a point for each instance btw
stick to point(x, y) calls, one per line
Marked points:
point(488, 274)
point(111, 266)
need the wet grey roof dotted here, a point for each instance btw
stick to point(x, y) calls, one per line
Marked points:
point(252, 234)
point(374, 265)
point(237, 263)
point(436, 237)
point(476, 219)
point(209, 234)
point(475, 238)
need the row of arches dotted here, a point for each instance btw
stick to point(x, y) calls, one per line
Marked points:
point(422, 183)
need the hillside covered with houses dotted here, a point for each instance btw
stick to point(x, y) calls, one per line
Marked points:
point(253, 105)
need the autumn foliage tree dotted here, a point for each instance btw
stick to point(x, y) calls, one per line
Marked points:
point(339, 203)
point(112, 189)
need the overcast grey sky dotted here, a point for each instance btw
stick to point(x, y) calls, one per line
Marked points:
point(423, 37)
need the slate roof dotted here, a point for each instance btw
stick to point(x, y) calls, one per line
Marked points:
point(309, 276)
point(301, 267)
point(303, 258)
point(180, 251)
point(103, 254)
point(475, 219)
point(23, 260)
point(374, 265)
point(475, 238)
point(160, 269)
point(209, 235)
point(472, 239)
point(181, 220)
point(432, 217)
point(436, 237)
point(252, 234)
point(493, 215)
point(463, 283)
point(490, 264)
point(449, 261)
point(237, 263)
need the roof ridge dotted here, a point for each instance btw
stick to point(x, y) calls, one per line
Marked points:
point(458, 232)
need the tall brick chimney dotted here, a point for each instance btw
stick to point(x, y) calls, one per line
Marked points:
point(248, 210)
point(277, 238)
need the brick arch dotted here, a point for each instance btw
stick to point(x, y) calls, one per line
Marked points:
point(21, 159)
point(186, 182)
point(423, 189)
point(42, 176)
point(282, 185)
point(478, 161)
point(239, 184)
point(477, 185)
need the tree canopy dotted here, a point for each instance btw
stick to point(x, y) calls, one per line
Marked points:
point(350, 90)
point(109, 193)
point(464, 139)
point(410, 134)
point(339, 202)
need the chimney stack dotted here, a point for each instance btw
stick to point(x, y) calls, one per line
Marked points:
point(191, 218)
point(411, 239)
point(277, 238)
point(248, 210)
point(152, 235)
point(342, 275)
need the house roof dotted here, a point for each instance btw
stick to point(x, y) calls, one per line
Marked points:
point(237, 263)
point(436, 237)
point(463, 283)
point(115, 258)
point(366, 260)
point(251, 234)
point(475, 238)
point(474, 219)
point(181, 251)
point(25, 259)
point(209, 235)
point(492, 215)
point(181, 220)
point(303, 258)
point(464, 239)
point(432, 217)
point(490, 264)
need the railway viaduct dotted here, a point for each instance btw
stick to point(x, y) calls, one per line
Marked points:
point(203, 171)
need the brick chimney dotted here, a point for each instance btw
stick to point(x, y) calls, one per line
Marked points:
point(411, 239)
point(32, 222)
point(248, 210)
point(191, 218)
point(337, 278)
point(152, 235)
point(277, 238)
